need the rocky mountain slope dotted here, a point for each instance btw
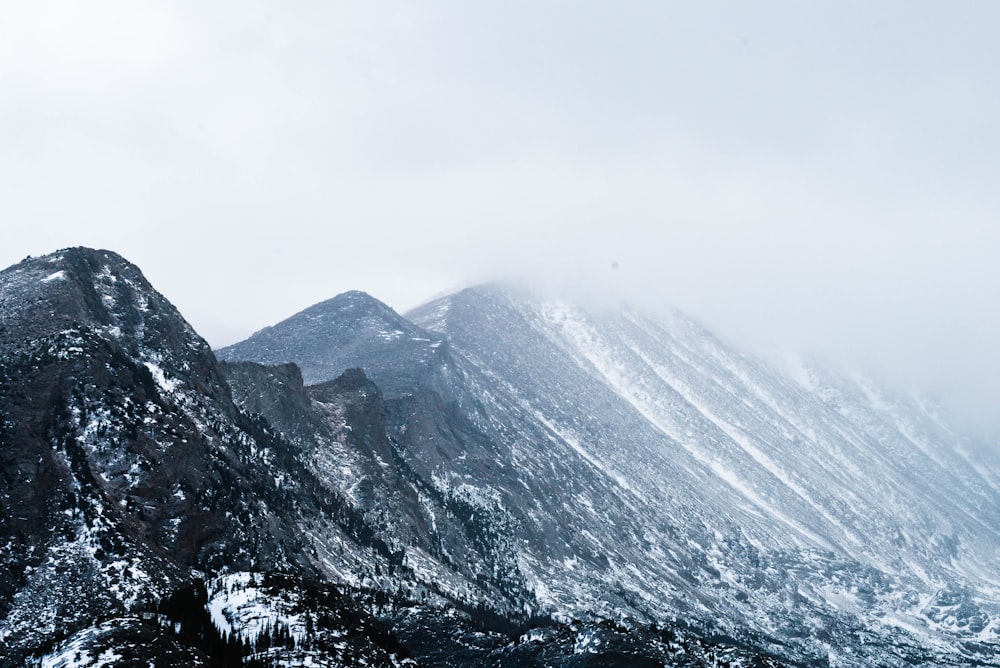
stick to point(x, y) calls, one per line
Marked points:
point(495, 479)
point(650, 468)
point(125, 464)
point(811, 504)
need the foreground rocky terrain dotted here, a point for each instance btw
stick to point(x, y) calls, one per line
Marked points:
point(494, 479)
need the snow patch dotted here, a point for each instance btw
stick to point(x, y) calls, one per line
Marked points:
point(57, 276)
point(240, 605)
point(168, 385)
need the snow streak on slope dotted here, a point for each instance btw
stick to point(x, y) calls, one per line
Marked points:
point(760, 420)
point(574, 443)
point(585, 341)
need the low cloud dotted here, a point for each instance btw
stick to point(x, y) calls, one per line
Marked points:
point(815, 177)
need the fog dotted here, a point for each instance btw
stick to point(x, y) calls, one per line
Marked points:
point(818, 176)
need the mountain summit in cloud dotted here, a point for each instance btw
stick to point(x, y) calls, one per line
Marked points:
point(493, 478)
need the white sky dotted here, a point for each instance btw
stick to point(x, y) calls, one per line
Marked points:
point(822, 175)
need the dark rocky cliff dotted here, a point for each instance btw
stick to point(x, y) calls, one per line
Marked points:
point(125, 463)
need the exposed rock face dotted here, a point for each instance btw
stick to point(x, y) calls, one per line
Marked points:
point(495, 479)
point(124, 460)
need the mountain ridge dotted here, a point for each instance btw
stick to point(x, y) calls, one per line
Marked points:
point(842, 534)
point(496, 477)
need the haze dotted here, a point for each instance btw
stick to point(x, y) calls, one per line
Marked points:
point(820, 176)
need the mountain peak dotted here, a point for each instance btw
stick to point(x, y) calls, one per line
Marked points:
point(353, 302)
point(358, 296)
point(352, 329)
point(434, 314)
point(82, 299)
point(95, 289)
point(80, 264)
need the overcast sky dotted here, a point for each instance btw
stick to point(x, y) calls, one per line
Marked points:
point(821, 175)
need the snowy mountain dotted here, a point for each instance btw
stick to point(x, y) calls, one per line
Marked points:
point(651, 468)
point(495, 479)
point(808, 502)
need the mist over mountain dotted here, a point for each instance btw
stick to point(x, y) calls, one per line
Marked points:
point(498, 477)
